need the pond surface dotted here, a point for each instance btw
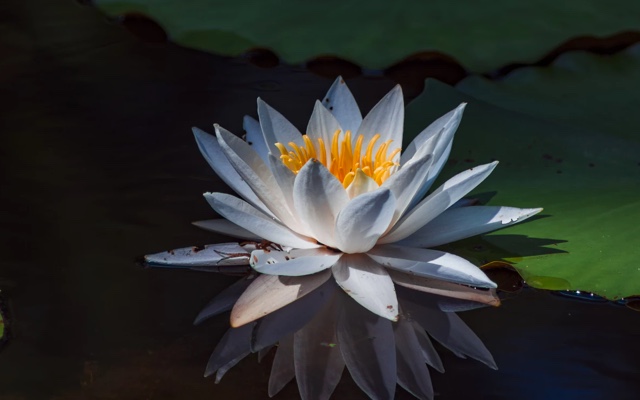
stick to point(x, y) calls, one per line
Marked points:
point(99, 166)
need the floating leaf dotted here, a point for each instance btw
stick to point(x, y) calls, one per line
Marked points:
point(482, 38)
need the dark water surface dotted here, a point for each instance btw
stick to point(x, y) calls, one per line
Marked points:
point(99, 166)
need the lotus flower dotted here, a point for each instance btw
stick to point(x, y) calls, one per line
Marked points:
point(345, 201)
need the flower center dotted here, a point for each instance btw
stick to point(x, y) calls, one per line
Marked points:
point(343, 160)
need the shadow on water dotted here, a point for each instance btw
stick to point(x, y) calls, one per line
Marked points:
point(100, 166)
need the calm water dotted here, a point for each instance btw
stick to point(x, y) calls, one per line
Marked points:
point(99, 167)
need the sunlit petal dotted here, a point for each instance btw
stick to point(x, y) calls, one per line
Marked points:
point(268, 293)
point(438, 201)
point(385, 118)
point(361, 184)
point(295, 263)
point(255, 139)
point(322, 125)
point(463, 222)
point(210, 255)
point(368, 283)
point(276, 128)
point(340, 102)
point(364, 220)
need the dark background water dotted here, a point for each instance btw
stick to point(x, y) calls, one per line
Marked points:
point(98, 166)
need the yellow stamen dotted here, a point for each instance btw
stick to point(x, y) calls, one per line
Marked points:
point(344, 157)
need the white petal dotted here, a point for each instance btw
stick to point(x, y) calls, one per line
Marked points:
point(255, 139)
point(318, 197)
point(276, 128)
point(444, 288)
point(294, 263)
point(292, 317)
point(226, 228)
point(385, 118)
point(438, 201)
point(368, 283)
point(317, 357)
point(285, 179)
point(268, 293)
point(367, 344)
point(413, 374)
point(257, 175)
point(235, 343)
point(282, 369)
point(340, 102)
point(362, 183)
point(202, 256)
point(446, 328)
point(323, 125)
point(224, 301)
point(242, 214)
point(432, 264)
point(445, 125)
point(364, 220)
point(211, 151)
point(463, 222)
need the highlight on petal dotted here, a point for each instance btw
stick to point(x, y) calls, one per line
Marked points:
point(367, 344)
point(212, 152)
point(319, 197)
point(364, 220)
point(463, 222)
point(276, 128)
point(254, 137)
point(438, 201)
point(268, 293)
point(444, 288)
point(368, 283)
point(361, 184)
point(242, 214)
point(322, 125)
point(296, 262)
point(226, 227)
point(385, 118)
point(340, 102)
point(431, 264)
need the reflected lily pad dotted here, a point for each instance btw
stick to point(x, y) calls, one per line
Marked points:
point(589, 237)
point(590, 91)
point(482, 38)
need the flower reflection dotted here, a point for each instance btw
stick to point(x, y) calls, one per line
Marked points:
point(326, 330)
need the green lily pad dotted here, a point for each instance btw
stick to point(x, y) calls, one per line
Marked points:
point(587, 182)
point(379, 34)
point(593, 92)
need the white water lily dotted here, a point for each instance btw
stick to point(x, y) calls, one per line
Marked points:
point(344, 201)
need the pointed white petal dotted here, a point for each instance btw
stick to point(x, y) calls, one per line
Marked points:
point(255, 138)
point(364, 220)
point(444, 288)
point(367, 344)
point(282, 369)
point(368, 283)
point(362, 183)
point(340, 102)
point(210, 149)
point(463, 222)
point(446, 328)
point(242, 214)
point(226, 227)
point(268, 293)
point(295, 263)
point(317, 358)
point(445, 125)
point(413, 374)
point(385, 118)
point(202, 256)
point(318, 197)
point(276, 128)
point(224, 301)
point(257, 175)
point(292, 317)
point(431, 264)
point(323, 125)
point(438, 201)
point(235, 343)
